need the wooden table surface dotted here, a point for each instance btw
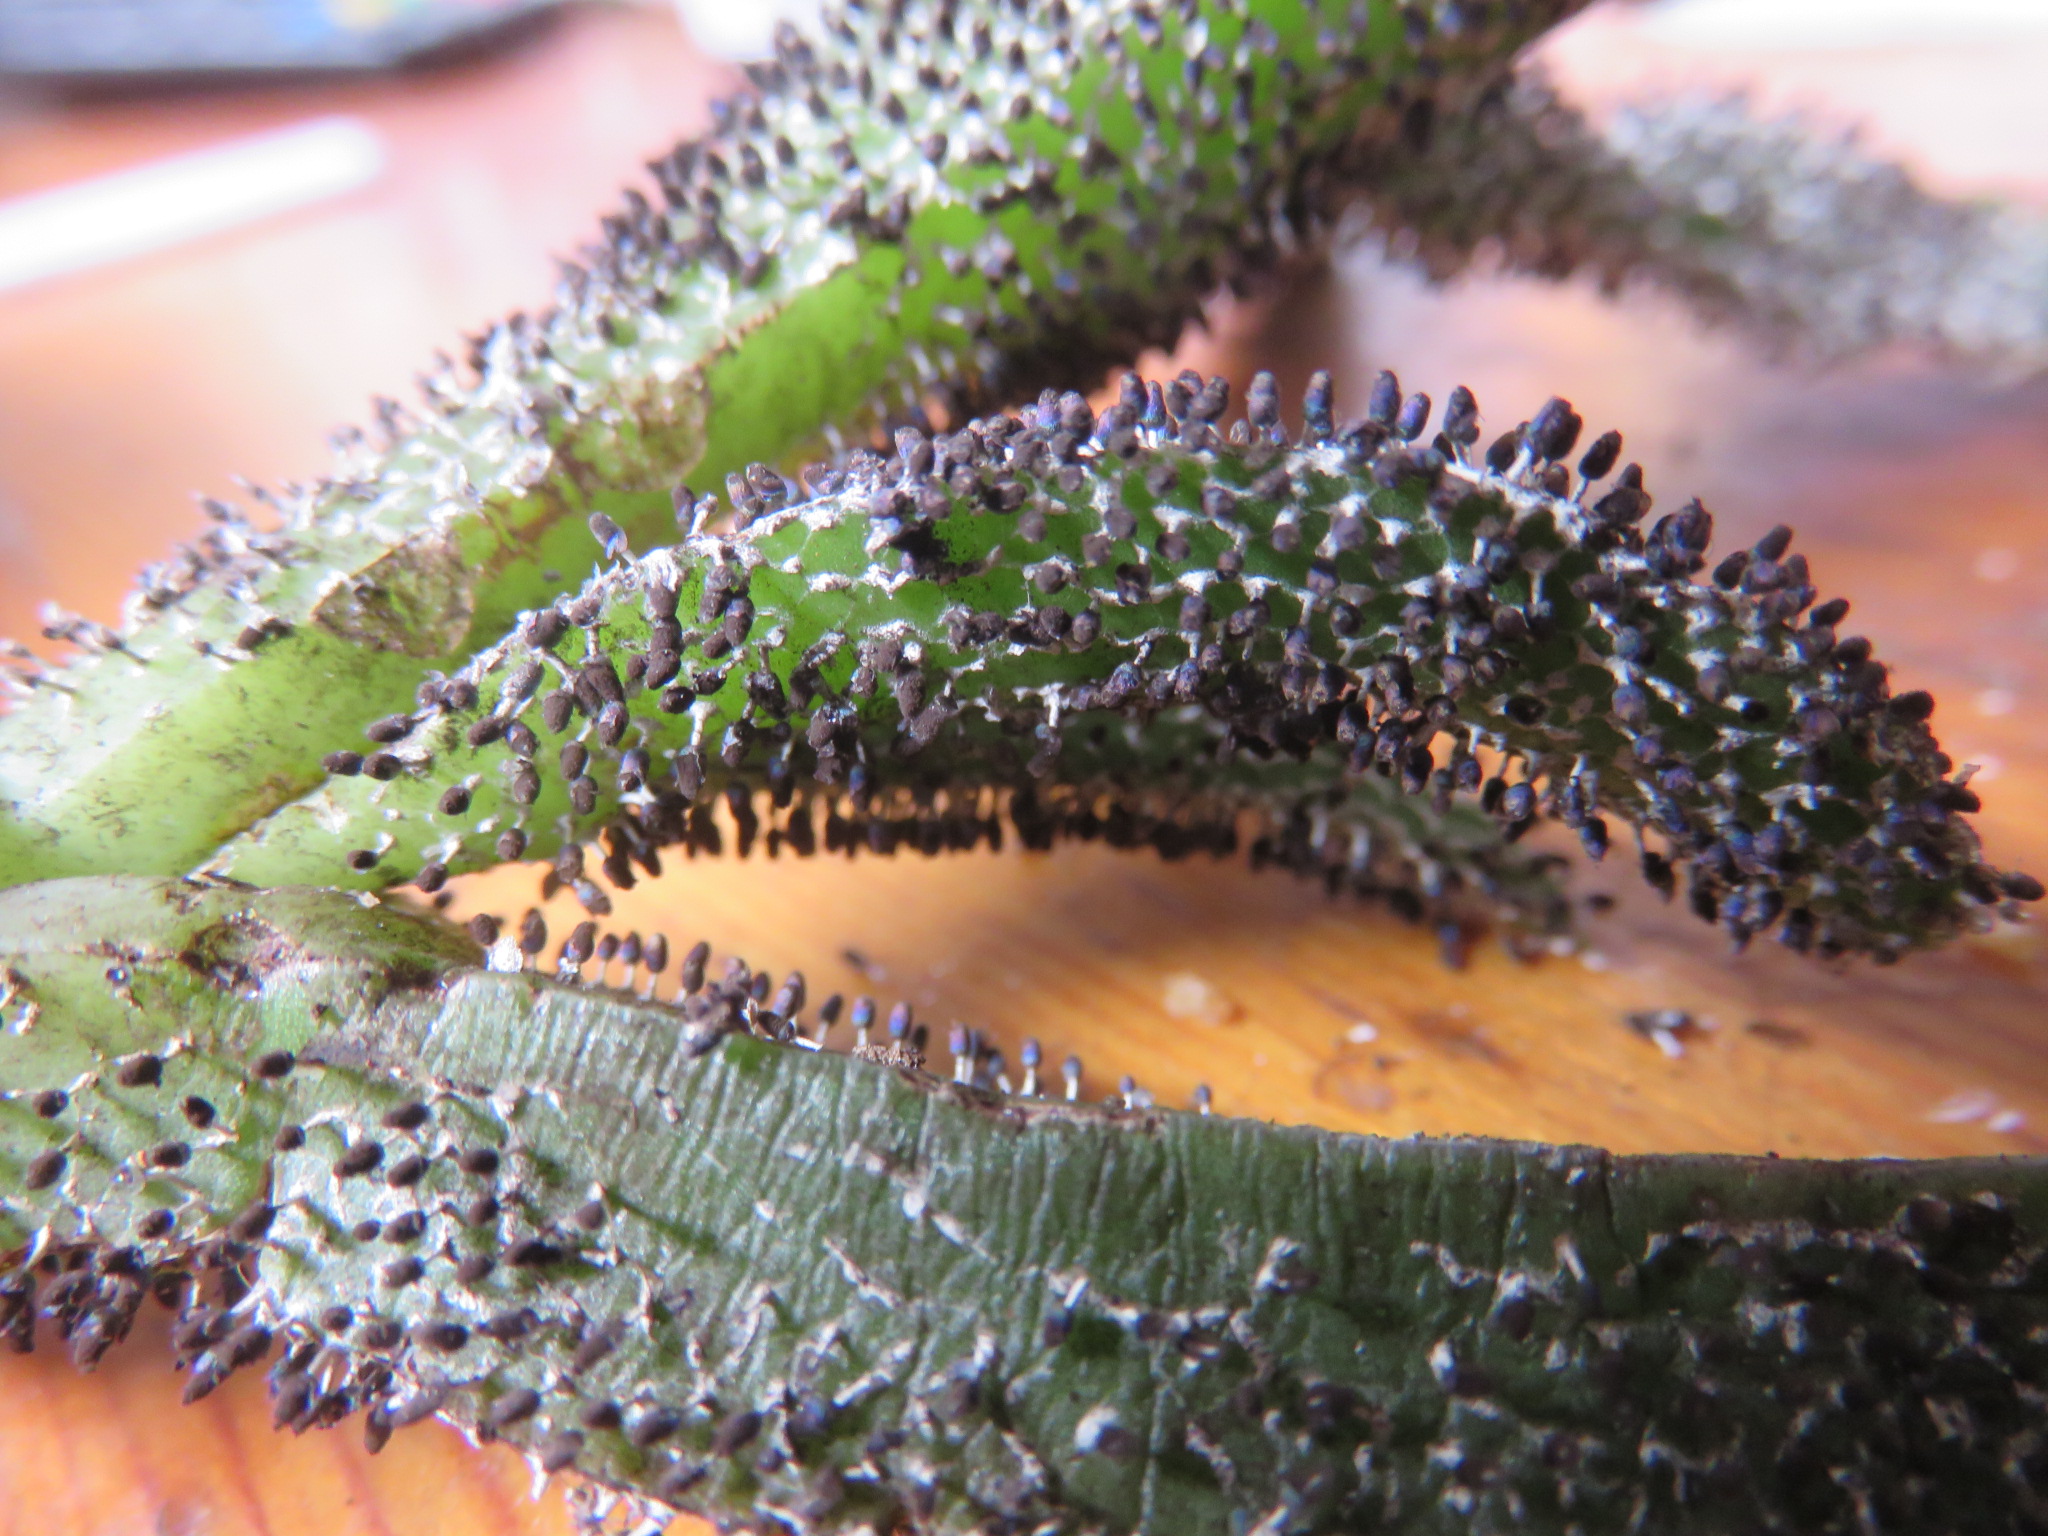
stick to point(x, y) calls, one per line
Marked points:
point(1921, 491)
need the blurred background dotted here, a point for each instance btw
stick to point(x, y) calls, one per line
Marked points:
point(224, 227)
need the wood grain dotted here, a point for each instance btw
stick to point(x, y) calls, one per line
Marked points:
point(1921, 491)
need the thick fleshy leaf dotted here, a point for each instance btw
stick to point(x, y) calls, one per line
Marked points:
point(727, 1274)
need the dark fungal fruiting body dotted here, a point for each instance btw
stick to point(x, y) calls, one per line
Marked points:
point(1384, 648)
point(857, 1326)
point(943, 205)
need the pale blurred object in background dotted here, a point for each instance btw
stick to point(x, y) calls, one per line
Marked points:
point(744, 29)
point(1837, 25)
point(1951, 90)
point(166, 202)
point(118, 44)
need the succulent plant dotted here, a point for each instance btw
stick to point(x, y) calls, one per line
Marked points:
point(670, 1241)
point(339, 1141)
point(1803, 237)
point(1181, 620)
point(952, 203)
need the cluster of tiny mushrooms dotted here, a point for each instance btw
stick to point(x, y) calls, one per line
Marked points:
point(648, 1226)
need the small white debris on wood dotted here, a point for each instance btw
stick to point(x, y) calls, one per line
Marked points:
point(1963, 1107)
point(1193, 997)
point(1665, 1028)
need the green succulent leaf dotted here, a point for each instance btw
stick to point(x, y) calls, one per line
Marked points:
point(947, 204)
point(642, 1239)
point(1170, 626)
point(1797, 233)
